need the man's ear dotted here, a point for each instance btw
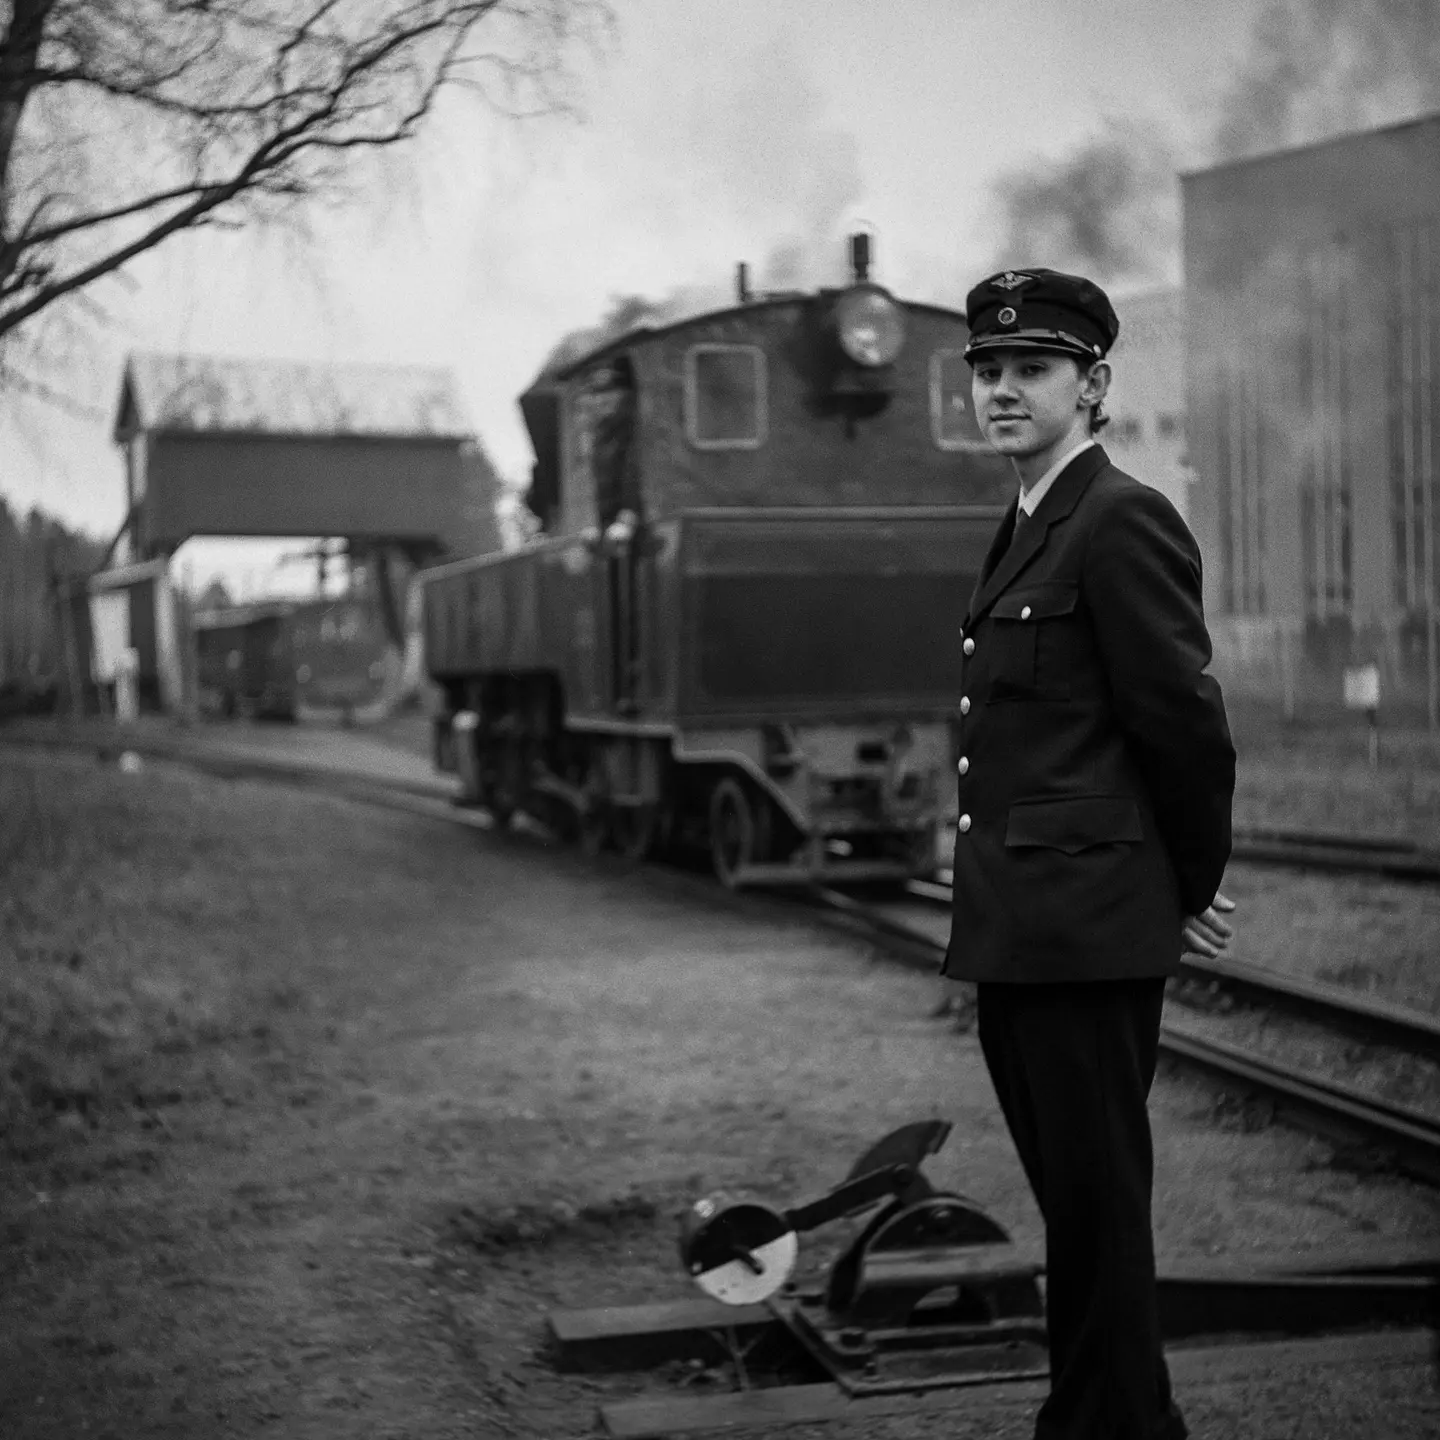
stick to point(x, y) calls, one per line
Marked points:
point(1096, 384)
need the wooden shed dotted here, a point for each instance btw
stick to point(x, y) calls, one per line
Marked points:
point(375, 453)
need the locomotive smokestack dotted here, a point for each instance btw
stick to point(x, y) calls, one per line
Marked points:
point(742, 284)
point(860, 257)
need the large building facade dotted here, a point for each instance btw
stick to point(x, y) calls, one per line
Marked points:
point(1146, 433)
point(1312, 377)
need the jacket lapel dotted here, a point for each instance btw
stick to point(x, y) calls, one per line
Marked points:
point(1001, 568)
point(999, 544)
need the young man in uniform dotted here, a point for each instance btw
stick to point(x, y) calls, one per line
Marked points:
point(1096, 777)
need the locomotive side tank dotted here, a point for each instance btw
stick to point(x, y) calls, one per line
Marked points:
point(739, 626)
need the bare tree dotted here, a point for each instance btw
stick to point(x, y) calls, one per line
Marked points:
point(123, 122)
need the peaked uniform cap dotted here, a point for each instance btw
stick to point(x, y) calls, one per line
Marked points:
point(1040, 309)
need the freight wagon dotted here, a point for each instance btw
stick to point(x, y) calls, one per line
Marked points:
point(272, 659)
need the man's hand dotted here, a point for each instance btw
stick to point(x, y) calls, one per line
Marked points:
point(1208, 934)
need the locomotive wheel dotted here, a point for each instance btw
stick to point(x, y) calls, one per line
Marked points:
point(633, 829)
point(739, 831)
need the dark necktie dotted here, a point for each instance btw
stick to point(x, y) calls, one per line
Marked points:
point(1021, 519)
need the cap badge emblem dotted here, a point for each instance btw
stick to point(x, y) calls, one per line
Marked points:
point(1007, 316)
point(1011, 281)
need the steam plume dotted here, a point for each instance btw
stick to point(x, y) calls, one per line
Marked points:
point(763, 150)
point(629, 312)
point(1318, 68)
point(1109, 209)
point(1323, 67)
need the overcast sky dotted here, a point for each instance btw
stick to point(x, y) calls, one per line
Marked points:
point(711, 132)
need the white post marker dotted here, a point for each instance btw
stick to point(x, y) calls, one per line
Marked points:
point(1362, 692)
point(127, 685)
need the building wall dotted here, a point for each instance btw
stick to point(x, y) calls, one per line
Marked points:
point(1313, 386)
point(139, 601)
point(257, 485)
point(1146, 433)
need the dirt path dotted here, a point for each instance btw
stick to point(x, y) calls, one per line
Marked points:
point(368, 1095)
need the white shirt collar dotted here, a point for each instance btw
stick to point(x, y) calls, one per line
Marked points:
point(1030, 498)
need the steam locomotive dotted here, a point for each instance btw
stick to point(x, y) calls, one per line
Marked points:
point(738, 626)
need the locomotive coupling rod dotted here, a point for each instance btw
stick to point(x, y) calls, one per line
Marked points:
point(854, 1195)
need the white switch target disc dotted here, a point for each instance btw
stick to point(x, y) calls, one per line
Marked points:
point(737, 1252)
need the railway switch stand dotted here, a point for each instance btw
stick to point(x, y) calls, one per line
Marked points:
point(931, 1292)
point(931, 1302)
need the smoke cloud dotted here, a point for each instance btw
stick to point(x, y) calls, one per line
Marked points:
point(1317, 69)
point(1320, 68)
point(629, 312)
point(758, 143)
point(1108, 210)
point(761, 142)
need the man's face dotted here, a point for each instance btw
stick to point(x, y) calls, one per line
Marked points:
point(1027, 400)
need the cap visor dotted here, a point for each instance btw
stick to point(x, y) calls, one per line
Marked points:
point(1022, 341)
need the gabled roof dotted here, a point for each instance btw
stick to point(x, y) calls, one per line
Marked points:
point(214, 395)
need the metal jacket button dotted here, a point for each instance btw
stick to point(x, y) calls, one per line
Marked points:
point(964, 823)
point(1025, 612)
point(964, 764)
point(969, 647)
point(964, 704)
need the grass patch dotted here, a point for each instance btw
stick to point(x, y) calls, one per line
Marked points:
point(130, 930)
point(537, 1224)
point(1317, 775)
point(1377, 936)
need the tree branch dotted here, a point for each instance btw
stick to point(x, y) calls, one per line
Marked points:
point(250, 98)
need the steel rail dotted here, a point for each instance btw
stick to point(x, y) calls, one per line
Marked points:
point(1412, 865)
point(1337, 1112)
point(1334, 839)
point(1363, 1017)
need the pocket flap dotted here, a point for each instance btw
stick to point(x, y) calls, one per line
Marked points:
point(1044, 602)
point(1075, 822)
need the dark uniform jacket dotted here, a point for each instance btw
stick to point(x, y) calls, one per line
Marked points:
point(1097, 769)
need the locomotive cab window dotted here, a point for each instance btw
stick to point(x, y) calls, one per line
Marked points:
point(725, 397)
point(952, 417)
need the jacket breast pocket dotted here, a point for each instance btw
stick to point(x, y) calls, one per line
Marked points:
point(1073, 823)
point(1032, 634)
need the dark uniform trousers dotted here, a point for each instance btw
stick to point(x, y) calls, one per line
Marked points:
point(1072, 1066)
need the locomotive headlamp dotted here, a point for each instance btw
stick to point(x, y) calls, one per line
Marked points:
point(869, 325)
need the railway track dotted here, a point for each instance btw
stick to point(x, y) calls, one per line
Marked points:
point(1392, 857)
point(1339, 1112)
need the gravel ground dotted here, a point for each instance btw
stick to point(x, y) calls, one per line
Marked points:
point(341, 1103)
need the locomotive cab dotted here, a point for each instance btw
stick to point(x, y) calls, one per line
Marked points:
point(738, 626)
